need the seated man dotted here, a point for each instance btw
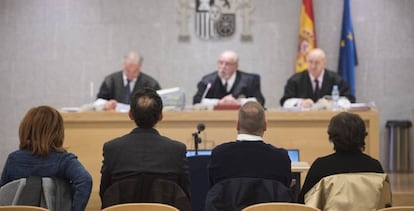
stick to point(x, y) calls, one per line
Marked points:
point(306, 88)
point(118, 87)
point(144, 150)
point(250, 156)
point(228, 84)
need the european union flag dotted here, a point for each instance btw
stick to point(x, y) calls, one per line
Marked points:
point(348, 56)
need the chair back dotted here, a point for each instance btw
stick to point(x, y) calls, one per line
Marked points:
point(52, 193)
point(21, 208)
point(238, 193)
point(399, 208)
point(351, 192)
point(146, 189)
point(141, 207)
point(10, 192)
point(273, 206)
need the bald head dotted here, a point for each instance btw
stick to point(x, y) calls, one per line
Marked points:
point(230, 55)
point(251, 119)
point(316, 60)
point(132, 65)
point(132, 55)
point(317, 53)
point(227, 64)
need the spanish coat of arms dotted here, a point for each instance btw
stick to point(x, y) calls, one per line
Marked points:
point(215, 19)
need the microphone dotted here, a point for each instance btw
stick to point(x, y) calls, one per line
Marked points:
point(201, 127)
point(197, 140)
point(205, 92)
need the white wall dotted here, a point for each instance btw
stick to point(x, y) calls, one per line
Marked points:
point(50, 50)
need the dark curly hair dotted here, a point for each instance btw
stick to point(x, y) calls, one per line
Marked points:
point(146, 107)
point(347, 132)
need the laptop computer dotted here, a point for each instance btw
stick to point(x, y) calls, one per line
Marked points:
point(204, 152)
point(293, 153)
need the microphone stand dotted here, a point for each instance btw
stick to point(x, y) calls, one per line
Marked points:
point(197, 140)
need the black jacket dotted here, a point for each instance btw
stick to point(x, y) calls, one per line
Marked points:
point(300, 86)
point(245, 85)
point(143, 151)
point(113, 86)
point(146, 188)
point(254, 159)
point(238, 193)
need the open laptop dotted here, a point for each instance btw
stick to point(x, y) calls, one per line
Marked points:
point(293, 153)
point(203, 152)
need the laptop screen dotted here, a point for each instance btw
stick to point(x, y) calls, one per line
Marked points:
point(293, 155)
point(191, 153)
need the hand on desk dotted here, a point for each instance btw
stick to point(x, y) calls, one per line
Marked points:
point(228, 100)
point(110, 105)
point(323, 101)
point(306, 103)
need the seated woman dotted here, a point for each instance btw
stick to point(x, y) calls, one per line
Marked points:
point(41, 154)
point(347, 133)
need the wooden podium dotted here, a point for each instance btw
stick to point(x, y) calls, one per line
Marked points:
point(86, 132)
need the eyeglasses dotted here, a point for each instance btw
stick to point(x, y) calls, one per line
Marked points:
point(227, 64)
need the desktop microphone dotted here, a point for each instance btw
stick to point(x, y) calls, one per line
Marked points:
point(205, 92)
point(197, 140)
point(201, 127)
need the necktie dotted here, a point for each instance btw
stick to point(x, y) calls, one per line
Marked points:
point(127, 92)
point(317, 91)
point(225, 86)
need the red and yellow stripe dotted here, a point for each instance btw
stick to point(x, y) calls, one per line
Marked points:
point(307, 35)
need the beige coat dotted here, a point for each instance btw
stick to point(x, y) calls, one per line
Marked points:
point(350, 191)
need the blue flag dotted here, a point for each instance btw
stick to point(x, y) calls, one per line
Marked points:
point(347, 56)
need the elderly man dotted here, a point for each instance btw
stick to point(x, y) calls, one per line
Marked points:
point(228, 84)
point(306, 88)
point(118, 87)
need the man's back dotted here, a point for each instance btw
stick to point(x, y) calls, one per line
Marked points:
point(143, 151)
point(253, 159)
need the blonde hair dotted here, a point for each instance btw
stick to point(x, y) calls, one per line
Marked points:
point(252, 118)
point(41, 131)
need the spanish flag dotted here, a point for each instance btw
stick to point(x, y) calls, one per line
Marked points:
point(307, 35)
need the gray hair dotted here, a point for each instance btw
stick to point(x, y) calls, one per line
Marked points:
point(132, 55)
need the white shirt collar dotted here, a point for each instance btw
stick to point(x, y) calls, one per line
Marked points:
point(131, 83)
point(320, 79)
point(230, 82)
point(249, 137)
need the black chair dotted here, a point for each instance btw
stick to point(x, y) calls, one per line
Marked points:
point(239, 193)
point(146, 188)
